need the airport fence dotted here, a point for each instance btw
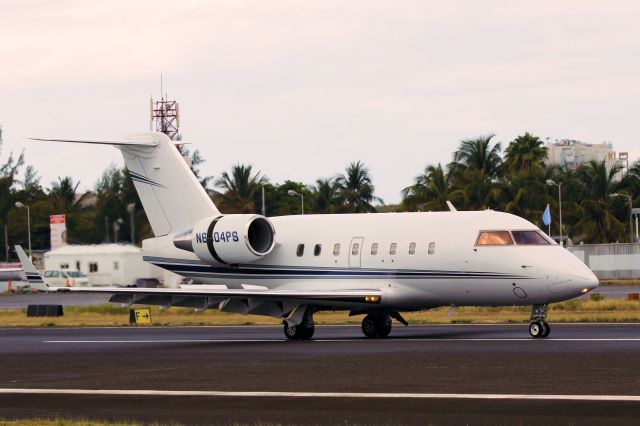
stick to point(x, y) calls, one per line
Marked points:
point(610, 261)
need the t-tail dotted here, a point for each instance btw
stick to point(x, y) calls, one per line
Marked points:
point(171, 195)
point(33, 276)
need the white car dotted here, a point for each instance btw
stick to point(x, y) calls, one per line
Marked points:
point(65, 277)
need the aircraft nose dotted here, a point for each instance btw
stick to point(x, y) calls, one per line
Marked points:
point(586, 280)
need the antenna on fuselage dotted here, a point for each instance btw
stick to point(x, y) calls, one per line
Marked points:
point(451, 206)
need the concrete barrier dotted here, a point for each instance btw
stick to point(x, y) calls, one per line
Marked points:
point(610, 261)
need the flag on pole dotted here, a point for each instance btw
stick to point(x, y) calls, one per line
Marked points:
point(546, 216)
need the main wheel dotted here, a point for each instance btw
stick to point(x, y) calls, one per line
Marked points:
point(298, 332)
point(547, 329)
point(383, 326)
point(536, 329)
point(369, 326)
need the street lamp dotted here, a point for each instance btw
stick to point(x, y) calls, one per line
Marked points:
point(131, 208)
point(295, 194)
point(630, 200)
point(21, 206)
point(552, 182)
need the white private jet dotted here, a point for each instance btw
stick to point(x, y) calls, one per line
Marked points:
point(373, 264)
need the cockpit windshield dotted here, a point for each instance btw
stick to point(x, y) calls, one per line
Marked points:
point(494, 238)
point(507, 238)
point(529, 238)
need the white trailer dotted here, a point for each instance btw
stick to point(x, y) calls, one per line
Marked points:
point(104, 264)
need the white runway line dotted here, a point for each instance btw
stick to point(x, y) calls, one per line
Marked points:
point(399, 340)
point(484, 396)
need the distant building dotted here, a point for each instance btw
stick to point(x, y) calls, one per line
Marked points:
point(573, 153)
point(108, 264)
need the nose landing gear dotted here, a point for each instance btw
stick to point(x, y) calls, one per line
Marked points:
point(539, 328)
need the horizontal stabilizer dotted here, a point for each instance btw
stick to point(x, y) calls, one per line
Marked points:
point(119, 143)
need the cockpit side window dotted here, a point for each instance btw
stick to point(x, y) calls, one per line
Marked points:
point(529, 238)
point(494, 238)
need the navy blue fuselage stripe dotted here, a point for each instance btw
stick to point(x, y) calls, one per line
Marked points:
point(326, 273)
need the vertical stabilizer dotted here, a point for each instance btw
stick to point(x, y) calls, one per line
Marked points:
point(33, 276)
point(171, 195)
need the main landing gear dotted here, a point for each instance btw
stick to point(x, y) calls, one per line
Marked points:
point(378, 324)
point(300, 326)
point(539, 328)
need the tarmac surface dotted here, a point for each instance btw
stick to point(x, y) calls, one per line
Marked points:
point(440, 374)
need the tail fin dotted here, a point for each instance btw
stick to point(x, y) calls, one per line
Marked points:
point(33, 277)
point(171, 195)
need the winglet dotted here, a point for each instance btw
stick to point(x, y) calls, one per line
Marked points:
point(33, 277)
point(451, 206)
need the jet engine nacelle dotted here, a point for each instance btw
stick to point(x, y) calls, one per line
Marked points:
point(231, 239)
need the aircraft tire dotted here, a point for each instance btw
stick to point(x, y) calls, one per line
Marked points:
point(298, 332)
point(369, 326)
point(547, 329)
point(536, 329)
point(383, 326)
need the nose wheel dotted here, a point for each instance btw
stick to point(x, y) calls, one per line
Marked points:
point(539, 328)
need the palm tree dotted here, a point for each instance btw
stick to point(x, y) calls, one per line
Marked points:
point(600, 221)
point(327, 195)
point(65, 195)
point(475, 170)
point(525, 194)
point(356, 189)
point(525, 152)
point(239, 189)
point(431, 190)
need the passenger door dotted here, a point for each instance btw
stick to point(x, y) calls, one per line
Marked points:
point(355, 252)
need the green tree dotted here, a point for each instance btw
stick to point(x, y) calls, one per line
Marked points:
point(476, 169)
point(239, 189)
point(356, 189)
point(326, 193)
point(525, 152)
point(602, 218)
point(431, 190)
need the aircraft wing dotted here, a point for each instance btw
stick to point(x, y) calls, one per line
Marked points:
point(139, 294)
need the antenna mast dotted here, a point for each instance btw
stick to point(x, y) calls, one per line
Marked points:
point(165, 115)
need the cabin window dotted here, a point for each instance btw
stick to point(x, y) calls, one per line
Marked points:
point(374, 249)
point(432, 247)
point(393, 248)
point(529, 238)
point(412, 249)
point(93, 266)
point(494, 238)
point(317, 250)
point(300, 250)
point(336, 249)
point(355, 249)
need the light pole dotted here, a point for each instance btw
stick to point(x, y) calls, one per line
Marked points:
point(131, 208)
point(20, 206)
point(552, 182)
point(630, 200)
point(264, 210)
point(295, 194)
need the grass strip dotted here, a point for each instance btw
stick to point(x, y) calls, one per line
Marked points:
point(576, 310)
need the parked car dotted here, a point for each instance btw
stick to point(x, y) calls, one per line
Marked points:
point(65, 277)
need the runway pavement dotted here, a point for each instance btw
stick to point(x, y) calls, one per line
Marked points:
point(454, 374)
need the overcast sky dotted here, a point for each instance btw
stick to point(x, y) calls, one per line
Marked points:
point(301, 88)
